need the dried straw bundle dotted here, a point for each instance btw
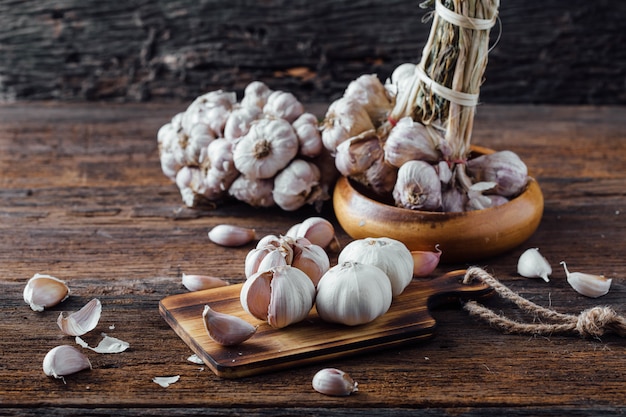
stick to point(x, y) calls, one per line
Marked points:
point(444, 90)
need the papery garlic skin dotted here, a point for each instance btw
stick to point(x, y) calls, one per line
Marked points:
point(202, 282)
point(266, 149)
point(334, 382)
point(353, 293)
point(82, 321)
point(478, 199)
point(282, 296)
point(589, 285)
point(43, 291)
point(64, 360)
point(231, 235)
point(390, 255)
point(531, 264)
point(226, 329)
point(418, 187)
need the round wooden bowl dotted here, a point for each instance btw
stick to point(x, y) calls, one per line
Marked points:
point(462, 237)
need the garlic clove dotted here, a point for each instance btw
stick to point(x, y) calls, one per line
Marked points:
point(231, 235)
point(82, 321)
point(64, 360)
point(312, 260)
point(281, 296)
point(275, 257)
point(589, 285)
point(532, 264)
point(202, 282)
point(390, 255)
point(353, 293)
point(425, 262)
point(225, 329)
point(334, 382)
point(317, 230)
point(418, 187)
point(43, 291)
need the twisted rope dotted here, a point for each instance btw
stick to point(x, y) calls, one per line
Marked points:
point(593, 322)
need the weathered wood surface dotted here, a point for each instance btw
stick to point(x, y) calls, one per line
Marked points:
point(83, 198)
point(549, 51)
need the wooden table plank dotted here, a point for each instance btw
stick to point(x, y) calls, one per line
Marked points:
point(82, 197)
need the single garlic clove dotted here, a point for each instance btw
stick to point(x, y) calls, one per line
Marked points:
point(334, 382)
point(43, 291)
point(231, 235)
point(589, 285)
point(425, 262)
point(64, 360)
point(532, 264)
point(317, 230)
point(275, 257)
point(311, 259)
point(225, 329)
point(82, 321)
point(202, 282)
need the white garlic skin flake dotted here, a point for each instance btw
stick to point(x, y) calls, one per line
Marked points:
point(42, 291)
point(589, 285)
point(334, 382)
point(532, 264)
point(82, 321)
point(353, 293)
point(64, 360)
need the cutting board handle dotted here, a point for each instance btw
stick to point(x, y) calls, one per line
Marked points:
point(449, 288)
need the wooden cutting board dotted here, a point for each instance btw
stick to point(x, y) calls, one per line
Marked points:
point(311, 340)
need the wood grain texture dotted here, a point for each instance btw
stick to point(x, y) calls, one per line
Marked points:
point(549, 51)
point(82, 198)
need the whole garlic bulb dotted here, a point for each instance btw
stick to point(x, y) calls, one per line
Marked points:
point(266, 149)
point(283, 105)
point(309, 136)
point(282, 296)
point(390, 255)
point(353, 293)
point(256, 192)
point(372, 95)
point(355, 155)
point(297, 185)
point(255, 95)
point(409, 140)
point(344, 119)
point(418, 187)
point(211, 109)
point(505, 168)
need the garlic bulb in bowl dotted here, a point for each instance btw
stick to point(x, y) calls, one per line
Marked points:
point(390, 255)
point(353, 293)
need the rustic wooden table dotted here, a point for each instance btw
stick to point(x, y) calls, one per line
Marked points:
point(83, 198)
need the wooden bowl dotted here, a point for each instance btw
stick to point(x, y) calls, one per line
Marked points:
point(462, 237)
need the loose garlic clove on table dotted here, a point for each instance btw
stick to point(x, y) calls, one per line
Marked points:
point(334, 382)
point(231, 235)
point(532, 264)
point(42, 291)
point(589, 285)
point(64, 360)
point(225, 329)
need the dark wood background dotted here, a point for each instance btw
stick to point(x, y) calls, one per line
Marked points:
point(550, 51)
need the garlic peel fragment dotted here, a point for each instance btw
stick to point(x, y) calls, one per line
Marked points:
point(589, 285)
point(334, 382)
point(64, 360)
point(43, 291)
point(82, 321)
point(107, 345)
point(165, 381)
point(225, 329)
point(532, 264)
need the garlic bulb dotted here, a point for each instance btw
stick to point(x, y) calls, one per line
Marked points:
point(589, 285)
point(211, 109)
point(478, 200)
point(255, 192)
point(255, 95)
point(371, 94)
point(355, 155)
point(297, 185)
point(225, 329)
point(202, 282)
point(64, 360)
point(266, 149)
point(505, 168)
point(282, 296)
point(42, 291)
point(82, 321)
point(309, 136)
point(344, 119)
point(231, 235)
point(353, 293)
point(334, 382)
point(239, 122)
point(390, 255)
point(532, 264)
point(409, 140)
point(418, 187)
point(283, 105)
